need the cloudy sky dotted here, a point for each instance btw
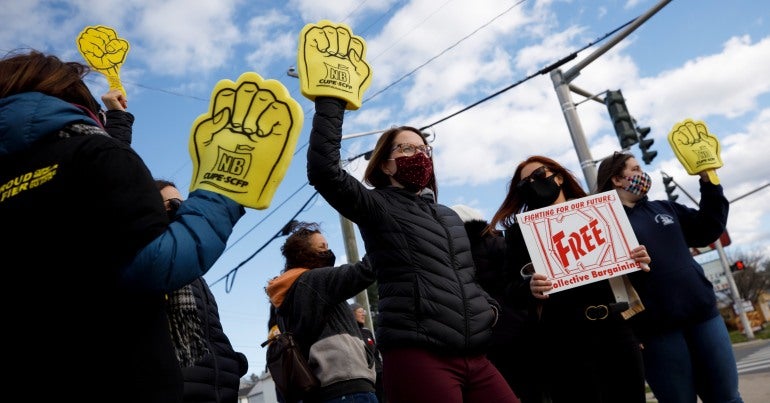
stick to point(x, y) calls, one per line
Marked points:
point(704, 60)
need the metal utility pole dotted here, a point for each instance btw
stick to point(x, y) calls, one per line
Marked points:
point(351, 249)
point(561, 82)
point(734, 289)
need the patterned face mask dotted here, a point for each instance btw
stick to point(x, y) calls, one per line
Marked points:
point(638, 184)
point(414, 172)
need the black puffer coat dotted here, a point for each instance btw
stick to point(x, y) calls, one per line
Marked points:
point(428, 294)
point(216, 377)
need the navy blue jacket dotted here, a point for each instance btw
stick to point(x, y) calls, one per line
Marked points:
point(676, 292)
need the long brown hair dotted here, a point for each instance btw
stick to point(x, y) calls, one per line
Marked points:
point(514, 200)
point(374, 175)
point(609, 168)
point(34, 71)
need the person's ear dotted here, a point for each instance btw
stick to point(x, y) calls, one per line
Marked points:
point(384, 168)
point(617, 181)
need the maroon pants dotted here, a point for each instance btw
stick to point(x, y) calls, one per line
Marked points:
point(415, 375)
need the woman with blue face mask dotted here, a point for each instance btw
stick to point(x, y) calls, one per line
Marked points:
point(686, 347)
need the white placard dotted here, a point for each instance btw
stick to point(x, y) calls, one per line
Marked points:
point(580, 241)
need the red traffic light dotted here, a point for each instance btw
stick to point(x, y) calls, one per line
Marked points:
point(738, 265)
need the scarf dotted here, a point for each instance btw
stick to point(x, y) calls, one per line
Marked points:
point(185, 326)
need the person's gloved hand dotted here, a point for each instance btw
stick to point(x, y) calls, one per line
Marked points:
point(104, 52)
point(243, 146)
point(331, 63)
point(696, 148)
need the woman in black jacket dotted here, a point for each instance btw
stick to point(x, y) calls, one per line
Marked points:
point(434, 320)
point(581, 349)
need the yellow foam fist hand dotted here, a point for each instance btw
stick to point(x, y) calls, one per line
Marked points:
point(104, 52)
point(696, 148)
point(331, 63)
point(243, 146)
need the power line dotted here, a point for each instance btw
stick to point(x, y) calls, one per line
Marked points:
point(281, 232)
point(541, 71)
point(545, 70)
point(442, 52)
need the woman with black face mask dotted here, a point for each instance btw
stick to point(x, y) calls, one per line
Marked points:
point(310, 297)
point(569, 349)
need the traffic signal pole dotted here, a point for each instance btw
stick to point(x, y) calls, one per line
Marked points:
point(561, 82)
point(734, 289)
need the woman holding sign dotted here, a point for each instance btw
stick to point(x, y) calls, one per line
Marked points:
point(577, 344)
point(687, 350)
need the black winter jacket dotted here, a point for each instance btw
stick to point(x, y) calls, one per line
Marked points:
point(216, 377)
point(428, 294)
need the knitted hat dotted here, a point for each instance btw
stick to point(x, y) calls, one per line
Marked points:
point(354, 306)
point(467, 213)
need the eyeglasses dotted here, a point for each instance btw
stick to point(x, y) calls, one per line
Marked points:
point(172, 205)
point(409, 149)
point(537, 174)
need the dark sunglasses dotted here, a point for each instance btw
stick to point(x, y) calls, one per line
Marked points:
point(172, 205)
point(537, 174)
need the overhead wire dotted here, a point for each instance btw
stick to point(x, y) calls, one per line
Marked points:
point(560, 62)
point(544, 70)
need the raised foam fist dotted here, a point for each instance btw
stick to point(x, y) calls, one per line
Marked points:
point(104, 52)
point(243, 146)
point(696, 148)
point(331, 63)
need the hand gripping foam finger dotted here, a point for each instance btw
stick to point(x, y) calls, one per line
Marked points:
point(243, 146)
point(104, 52)
point(696, 148)
point(331, 62)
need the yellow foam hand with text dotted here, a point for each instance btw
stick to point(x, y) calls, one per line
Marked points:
point(696, 148)
point(331, 63)
point(243, 146)
point(104, 52)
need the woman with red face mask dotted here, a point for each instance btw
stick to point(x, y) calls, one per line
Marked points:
point(434, 321)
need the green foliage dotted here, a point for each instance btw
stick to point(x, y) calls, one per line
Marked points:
point(737, 336)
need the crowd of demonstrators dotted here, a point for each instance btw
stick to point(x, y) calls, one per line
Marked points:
point(687, 350)
point(434, 320)
point(91, 235)
point(599, 359)
point(360, 314)
point(310, 299)
point(211, 367)
point(461, 319)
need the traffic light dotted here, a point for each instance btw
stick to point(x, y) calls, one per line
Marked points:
point(644, 144)
point(738, 265)
point(670, 187)
point(621, 119)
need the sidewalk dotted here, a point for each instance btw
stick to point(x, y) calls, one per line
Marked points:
point(755, 388)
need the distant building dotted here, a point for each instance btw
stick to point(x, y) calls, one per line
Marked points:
point(261, 391)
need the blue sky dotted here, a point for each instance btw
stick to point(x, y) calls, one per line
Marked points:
point(706, 60)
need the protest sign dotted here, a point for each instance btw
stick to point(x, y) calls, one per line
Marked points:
point(580, 241)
